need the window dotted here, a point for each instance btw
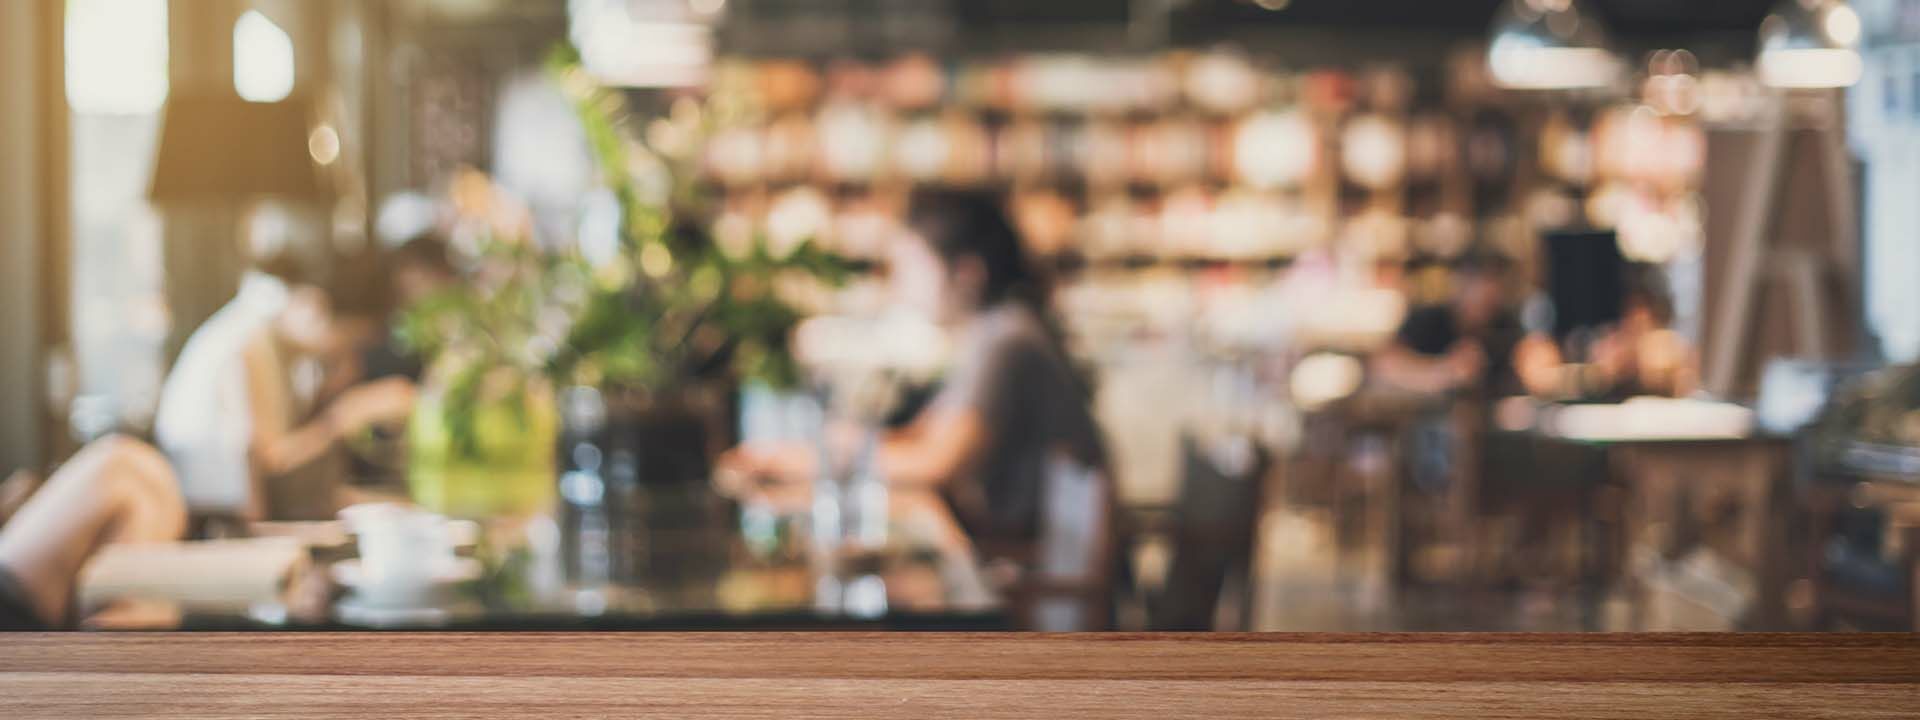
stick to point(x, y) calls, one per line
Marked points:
point(116, 68)
point(262, 59)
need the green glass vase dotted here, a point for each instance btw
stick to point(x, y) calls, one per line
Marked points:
point(507, 470)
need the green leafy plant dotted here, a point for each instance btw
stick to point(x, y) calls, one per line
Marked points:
point(667, 309)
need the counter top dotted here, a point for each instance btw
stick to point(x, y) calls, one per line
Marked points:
point(973, 676)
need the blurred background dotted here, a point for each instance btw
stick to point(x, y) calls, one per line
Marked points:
point(1315, 315)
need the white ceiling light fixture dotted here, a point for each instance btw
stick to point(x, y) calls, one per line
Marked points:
point(645, 43)
point(1550, 45)
point(262, 59)
point(1811, 44)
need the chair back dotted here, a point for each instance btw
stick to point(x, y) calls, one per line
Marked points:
point(1068, 586)
point(1213, 534)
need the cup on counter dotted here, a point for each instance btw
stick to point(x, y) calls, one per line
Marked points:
point(407, 556)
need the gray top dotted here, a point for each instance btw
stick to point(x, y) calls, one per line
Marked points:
point(1010, 371)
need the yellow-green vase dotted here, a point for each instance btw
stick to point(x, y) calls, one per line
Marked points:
point(509, 469)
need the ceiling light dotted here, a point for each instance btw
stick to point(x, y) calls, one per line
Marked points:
point(1550, 45)
point(1811, 44)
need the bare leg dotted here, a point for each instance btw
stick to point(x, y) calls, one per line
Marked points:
point(115, 490)
point(15, 492)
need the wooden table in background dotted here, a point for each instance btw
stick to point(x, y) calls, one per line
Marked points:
point(1731, 495)
point(1673, 677)
point(1734, 496)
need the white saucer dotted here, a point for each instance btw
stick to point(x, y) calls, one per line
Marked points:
point(348, 573)
point(352, 611)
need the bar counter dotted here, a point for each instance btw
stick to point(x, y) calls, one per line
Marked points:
point(972, 676)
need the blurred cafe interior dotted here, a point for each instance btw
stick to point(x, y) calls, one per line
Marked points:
point(1268, 315)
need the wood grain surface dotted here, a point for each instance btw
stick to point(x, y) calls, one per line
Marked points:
point(958, 676)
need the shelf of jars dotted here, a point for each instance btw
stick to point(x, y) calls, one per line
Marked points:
point(1200, 156)
point(1172, 175)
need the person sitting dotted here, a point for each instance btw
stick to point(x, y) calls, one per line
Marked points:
point(1639, 355)
point(417, 270)
point(240, 414)
point(1466, 344)
point(1011, 404)
point(114, 491)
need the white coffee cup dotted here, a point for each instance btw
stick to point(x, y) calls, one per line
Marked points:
point(405, 554)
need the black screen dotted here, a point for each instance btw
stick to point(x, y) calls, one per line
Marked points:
point(1586, 277)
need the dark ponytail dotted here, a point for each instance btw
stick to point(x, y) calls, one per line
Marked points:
point(961, 224)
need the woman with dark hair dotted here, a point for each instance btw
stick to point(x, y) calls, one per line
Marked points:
point(1011, 403)
point(241, 415)
point(1010, 408)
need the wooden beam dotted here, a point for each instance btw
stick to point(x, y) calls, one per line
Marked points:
point(56, 256)
point(32, 213)
point(1734, 317)
point(974, 676)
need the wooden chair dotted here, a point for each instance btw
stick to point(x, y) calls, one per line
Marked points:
point(1069, 581)
point(1213, 537)
point(1877, 585)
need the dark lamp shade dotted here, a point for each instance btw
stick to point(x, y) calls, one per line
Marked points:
point(218, 148)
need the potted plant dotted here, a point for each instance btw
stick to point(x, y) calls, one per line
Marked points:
point(482, 439)
point(661, 324)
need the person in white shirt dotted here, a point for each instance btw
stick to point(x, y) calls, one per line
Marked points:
point(239, 417)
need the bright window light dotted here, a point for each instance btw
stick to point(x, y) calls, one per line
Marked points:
point(262, 59)
point(647, 43)
point(116, 56)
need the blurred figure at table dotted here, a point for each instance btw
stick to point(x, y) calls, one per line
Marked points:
point(1466, 344)
point(417, 263)
point(1011, 405)
point(416, 270)
point(114, 491)
point(243, 417)
point(1640, 355)
point(370, 349)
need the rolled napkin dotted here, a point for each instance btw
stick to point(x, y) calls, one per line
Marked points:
point(220, 575)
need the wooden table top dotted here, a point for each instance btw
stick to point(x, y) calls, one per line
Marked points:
point(961, 676)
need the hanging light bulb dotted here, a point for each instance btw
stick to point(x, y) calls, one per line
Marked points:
point(1550, 45)
point(1811, 44)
